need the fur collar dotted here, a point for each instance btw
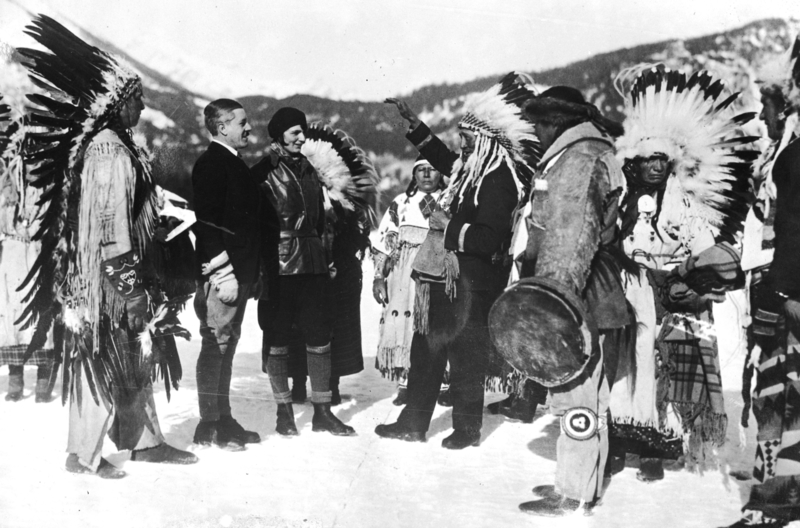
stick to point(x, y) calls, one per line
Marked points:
point(573, 135)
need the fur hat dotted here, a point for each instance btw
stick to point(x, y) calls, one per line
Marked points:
point(284, 119)
point(569, 102)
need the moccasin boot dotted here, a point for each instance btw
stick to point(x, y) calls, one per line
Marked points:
point(552, 506)
point(163, 454)
point(105, 470)
point(545, 491)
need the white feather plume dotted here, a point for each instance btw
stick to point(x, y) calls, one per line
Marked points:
point(687, 127)
point(503, 120)
point(332, 171)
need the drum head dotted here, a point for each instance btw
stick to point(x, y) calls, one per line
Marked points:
point(540, 328)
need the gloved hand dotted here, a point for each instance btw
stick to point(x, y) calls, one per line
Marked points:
point(677, 296)
point(228, 290)
point(379, 291)
point(136, 308)
point(224, 282)
point(704, 281)
point(713, 271)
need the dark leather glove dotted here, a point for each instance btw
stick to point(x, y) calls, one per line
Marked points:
point(677, 296)
point(714, 271)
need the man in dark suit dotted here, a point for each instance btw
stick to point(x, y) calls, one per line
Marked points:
point(229, 244)
point(471, 226)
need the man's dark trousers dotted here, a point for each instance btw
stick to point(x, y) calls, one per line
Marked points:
point(458, 333)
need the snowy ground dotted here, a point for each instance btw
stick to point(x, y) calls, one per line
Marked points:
point(317, 480)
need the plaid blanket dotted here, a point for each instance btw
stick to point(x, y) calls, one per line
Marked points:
point(688, 348)
point(12, 355)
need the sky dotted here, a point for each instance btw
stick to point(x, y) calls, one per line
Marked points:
point(370, 49)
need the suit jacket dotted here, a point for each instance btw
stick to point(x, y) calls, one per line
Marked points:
point(476, 233)
point(229, 212)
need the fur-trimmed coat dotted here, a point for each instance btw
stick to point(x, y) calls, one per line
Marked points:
point(577, 203)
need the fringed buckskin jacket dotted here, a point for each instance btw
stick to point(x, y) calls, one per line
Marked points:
point(112, 271)
point(570, 222)
point(293, 188)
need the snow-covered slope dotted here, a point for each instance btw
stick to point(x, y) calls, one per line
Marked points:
point(317, 480)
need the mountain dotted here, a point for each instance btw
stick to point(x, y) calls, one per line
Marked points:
point(173, 121)
point(732, 55)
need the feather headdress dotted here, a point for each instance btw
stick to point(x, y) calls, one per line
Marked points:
point(502, 135)
point(711, 157)
point(90, 86)
point(86, 88)
point(347, 175)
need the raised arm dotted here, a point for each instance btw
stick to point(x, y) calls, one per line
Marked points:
point(429, 145)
